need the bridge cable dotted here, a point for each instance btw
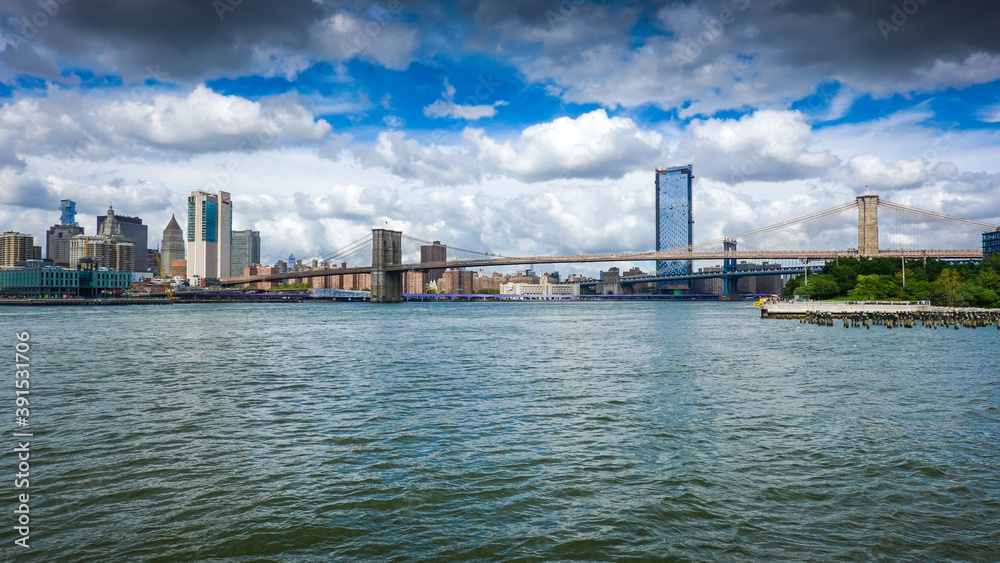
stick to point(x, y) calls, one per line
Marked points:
point(787, 223)
point(348, 250)
point(451, 247)
point(936, 215)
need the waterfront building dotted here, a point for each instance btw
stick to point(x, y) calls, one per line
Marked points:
point(209, 234)
point(245, 251)
point(991, 243)
point(132, 229)
point(109, 248)
point(487, 282)
point(413, 282)
point(17, 247)
point(171, 247)
point(53, 282)
point(456, 281)
point(39, 283)
point(543, 288)
point(708, 286)
point(674, 216)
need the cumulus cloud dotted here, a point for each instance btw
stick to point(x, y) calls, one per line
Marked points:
point(593, 145)
point(768, 144)
point(871, 170)
point(433, 164)
point(205, 120)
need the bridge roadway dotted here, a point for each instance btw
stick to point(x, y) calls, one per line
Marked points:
point(959, 253)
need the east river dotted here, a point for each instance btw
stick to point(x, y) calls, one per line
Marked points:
point(498, 431)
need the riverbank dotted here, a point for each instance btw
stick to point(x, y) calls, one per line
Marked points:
point(72, 302)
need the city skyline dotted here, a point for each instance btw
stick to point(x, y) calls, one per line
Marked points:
point(515, 128)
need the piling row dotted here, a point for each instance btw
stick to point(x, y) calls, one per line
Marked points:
point(929, 319)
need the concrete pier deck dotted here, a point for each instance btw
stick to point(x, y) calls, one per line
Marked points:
point(785, 310)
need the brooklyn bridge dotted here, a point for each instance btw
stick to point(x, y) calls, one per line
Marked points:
point(909, 233)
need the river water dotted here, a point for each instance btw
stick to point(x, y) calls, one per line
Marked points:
point(500, 431)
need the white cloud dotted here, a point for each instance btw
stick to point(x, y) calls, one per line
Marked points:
point(768, 144)
point(593, 145)
point(446, 107)
point(871, 170)
point(205, 120)
point(990, 114)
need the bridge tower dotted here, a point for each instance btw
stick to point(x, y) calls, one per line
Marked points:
point(729, 265)
point(387, 250)
point(867, 225)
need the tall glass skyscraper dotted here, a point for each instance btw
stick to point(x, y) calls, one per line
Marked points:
point(209, 235)
point(245, 252)
point(674, 218)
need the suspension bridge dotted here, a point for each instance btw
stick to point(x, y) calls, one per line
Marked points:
point(906, 232)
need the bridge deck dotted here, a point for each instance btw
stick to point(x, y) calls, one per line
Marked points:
point(960, 253)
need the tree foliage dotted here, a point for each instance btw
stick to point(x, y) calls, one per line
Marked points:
point(941, 282)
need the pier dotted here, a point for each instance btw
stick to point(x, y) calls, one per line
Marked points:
point(890, 314)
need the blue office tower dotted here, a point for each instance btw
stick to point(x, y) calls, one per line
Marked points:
point(674, 219)
point(68, 209)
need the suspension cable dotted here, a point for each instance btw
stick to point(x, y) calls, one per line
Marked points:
point(451, 247)
point(936, 215)
point(348, 250)
point(787, 223)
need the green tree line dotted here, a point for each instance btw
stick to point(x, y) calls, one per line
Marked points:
point(943, 283)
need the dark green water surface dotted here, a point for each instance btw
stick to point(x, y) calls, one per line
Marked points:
point(499, 431)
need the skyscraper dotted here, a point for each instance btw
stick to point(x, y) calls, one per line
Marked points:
point(209, 234)
point(15, 247)
point(434, 252)
point(172, 246)
point(246, 251)
point(674, 218)
point(67, 209)
point(132, 228)
point(57, 237)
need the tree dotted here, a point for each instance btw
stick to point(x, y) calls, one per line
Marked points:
point(820, 287)
point(489, 291)
point(875, 287)
point(790, 287)
point(952, 283)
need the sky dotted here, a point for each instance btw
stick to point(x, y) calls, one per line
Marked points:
point(516, 127)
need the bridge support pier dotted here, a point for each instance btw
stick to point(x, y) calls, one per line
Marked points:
point(868, 225)
point(730, 293)
point(387, 250)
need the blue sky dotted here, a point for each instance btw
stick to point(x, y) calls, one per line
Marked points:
point(512, 127)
